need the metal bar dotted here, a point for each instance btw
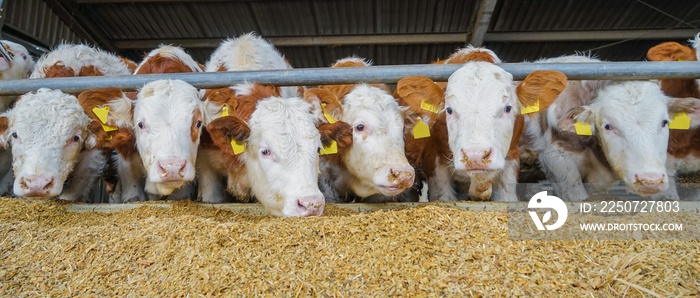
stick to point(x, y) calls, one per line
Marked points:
point(432, 38)
point(481, 23)
point(374, 74)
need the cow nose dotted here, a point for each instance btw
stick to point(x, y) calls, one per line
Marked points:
point(37, 184)
point(476, 158)
point(310, 205)
point(401, 176)
point(650, 183)
point(172, 169)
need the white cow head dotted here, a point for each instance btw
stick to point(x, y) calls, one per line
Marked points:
point(21, 64)
point(376, 159)
point(281, 149)
point(47, 130)
point(168, 118)
point(631, 120)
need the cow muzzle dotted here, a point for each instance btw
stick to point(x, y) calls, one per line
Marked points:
point(650, 183)
point(476, 158)
point(396, 179)
point(172, 170)
point(40, 186)
point(310, 205)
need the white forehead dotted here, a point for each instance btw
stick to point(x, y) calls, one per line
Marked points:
point(17, 48)
point(246, 52)
point(476, 80)
point(48, 111)
point(365, 99)
point(631, 99)
point(173, 52)
point(77, 56)
point(167, 96)
point(696, 44)
point(287, 122)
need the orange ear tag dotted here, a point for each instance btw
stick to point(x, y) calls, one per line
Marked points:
point(421, 130)
point(238, 147)
point(680, 121)
point(583, 129)
point(531, 109)
point(429, 107)
point(332, 149)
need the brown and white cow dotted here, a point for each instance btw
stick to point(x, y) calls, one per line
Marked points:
point(269, 150)
point(245, 53)
point(371, 159)
point(684, 144)
point(600, 132)
point(19, 67)
point(166, 119)
point(475, 124)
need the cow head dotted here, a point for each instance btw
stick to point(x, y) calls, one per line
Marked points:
point(21, 64)
point(112, 118)
point(631, 120)
point(168, 118)
point(376, 160)
point(47, 130)
point(278, 142)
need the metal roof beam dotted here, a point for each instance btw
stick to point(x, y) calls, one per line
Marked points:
point(79, 23)
point(145, 1)
point(481, 22)
point(434, 38)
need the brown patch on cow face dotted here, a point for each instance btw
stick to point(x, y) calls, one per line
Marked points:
point(247, 103)
point(221, 96)
point(131, 65)
point(196, 125)
point(89, 71)
point(163, 64)
point(671, 51)
point(224, 129)
point(543, 86)
point(4, 124)
point(682, 143)
point(514, 151)
point(58, 70)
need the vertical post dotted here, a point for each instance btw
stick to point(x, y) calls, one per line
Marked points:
point(481, 22)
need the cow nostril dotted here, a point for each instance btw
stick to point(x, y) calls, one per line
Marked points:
point(487, 154)
point(301, 205)
point(49, 185)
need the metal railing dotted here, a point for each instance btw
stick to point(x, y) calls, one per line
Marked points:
point(374, 74)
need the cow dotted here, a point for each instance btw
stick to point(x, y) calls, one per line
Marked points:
point(18, 66)
point(53, 151)
point(164, 112)
point(245, 53)
point(474, 125)
point(372, 161)
point(684, 144)
point(269, 148)
point(600, 132)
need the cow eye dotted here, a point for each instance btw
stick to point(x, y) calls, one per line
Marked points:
point(360, 127)
point(76, 138)
point(449, 110)
point(318, 150)
point(607, 127)
point(140, 124)
point(199, 124)
point(508, 109)
point(664, 123)
point(265, 152)
point(14, 135)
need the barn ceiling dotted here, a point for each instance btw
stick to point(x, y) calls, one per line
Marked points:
point(314, 33)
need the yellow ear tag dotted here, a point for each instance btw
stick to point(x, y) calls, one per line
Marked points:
point(108, 128)
point(421, 130)
point(332, 149)
point(108, 138)
point(224, 111)
point(679, 59)
point(680, 121)
point(328, 116)
point(238, 147)
point(531, 109)
point(583, 129)
point(428, 107)
point(101, 113)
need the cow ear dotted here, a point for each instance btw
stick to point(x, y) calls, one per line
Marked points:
point(4, 131)
point(421, 95)
point(671, 51)
point(340, 131)
point(540, 89)
point(689, 105)
point(324, 104)
point(225, 129)
point(578, 120)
